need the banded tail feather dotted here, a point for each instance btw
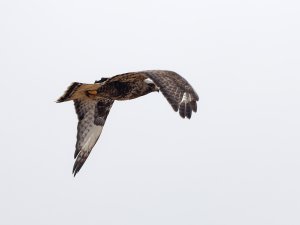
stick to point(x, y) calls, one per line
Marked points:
point(69, 92)
point(77, 90)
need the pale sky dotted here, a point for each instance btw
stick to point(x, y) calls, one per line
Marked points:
point(236, 162)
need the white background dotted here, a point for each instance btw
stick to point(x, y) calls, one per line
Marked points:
point(236, 162)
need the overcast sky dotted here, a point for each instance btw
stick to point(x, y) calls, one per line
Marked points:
point(236, 162)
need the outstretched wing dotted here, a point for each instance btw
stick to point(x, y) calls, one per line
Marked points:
point(92, 115)
point(179, 93)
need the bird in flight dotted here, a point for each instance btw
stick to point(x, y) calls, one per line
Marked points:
point(94, 101)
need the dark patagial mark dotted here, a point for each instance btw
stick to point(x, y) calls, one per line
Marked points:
point(101, 112)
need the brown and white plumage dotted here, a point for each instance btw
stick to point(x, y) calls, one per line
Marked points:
point(94, 101)
point(92, 115)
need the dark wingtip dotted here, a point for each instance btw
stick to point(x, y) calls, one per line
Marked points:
point(75, 173)
point(76, 169)
point(182, 110)
point(186, 108)
point(194, 105)
point(78, 164)
point(76, 153)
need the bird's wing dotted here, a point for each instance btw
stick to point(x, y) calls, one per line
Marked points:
point(179, 93)
point(92, 115)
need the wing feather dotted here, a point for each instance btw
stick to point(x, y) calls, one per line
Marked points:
point(92, 115)
point(179, 93)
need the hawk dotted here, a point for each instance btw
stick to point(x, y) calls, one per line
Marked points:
point(94, 101)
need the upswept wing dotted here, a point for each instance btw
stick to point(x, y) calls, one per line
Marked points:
point(92, 115)
point(179, 93)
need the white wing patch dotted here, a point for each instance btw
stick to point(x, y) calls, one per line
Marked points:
point(87, 144)
point(91, 116)
point(186, 98)
point(91, 138)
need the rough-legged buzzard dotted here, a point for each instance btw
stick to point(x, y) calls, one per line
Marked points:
point(94, 101)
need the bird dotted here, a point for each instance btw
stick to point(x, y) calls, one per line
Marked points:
point(93, 102)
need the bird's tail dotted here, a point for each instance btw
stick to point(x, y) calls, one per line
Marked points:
point(78, 90)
